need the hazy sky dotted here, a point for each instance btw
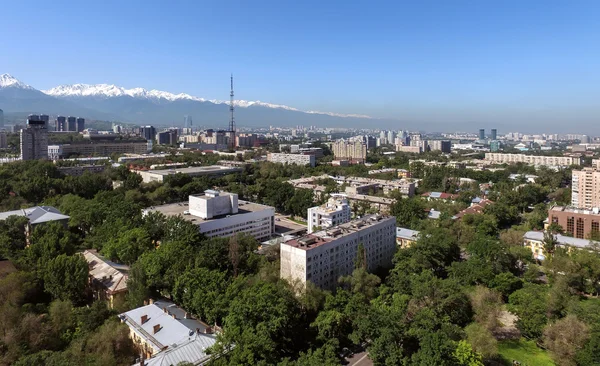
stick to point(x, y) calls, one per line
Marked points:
point(513, 62)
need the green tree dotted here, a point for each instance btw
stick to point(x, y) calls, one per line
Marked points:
point(129, 245)
point(529, 304)
point(66, 277)
point(465, 355)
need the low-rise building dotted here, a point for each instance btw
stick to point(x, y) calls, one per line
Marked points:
point(221, 214)
point(334, 212)
point(103, 148)
point(37, 215)
point(165, 334)
point(298, 159)
point(477, 208)
point(108, 280)
point(406, 237)
point(324, 256)
point(430, 196)
point(535, 241)
point(580, 223)
point(149, 176)
point(537, 160)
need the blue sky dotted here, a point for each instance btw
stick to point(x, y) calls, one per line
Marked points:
point(444, 61)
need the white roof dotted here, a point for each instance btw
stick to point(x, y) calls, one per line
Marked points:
point(560, 239)
point(407, 233)
point(37, 214)
point(193, 351)
point(172, 332)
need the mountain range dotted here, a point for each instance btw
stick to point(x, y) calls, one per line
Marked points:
point(137, 105)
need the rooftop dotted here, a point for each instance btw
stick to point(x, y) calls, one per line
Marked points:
point(407, 233)
point(182, 209)
point(574, 210)
point(166, 326)
point(319, 238)
point(197, 170)
point(37, 214)
point(111, 275)
point(561, 239)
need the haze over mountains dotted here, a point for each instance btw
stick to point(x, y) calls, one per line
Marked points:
point(138, 105)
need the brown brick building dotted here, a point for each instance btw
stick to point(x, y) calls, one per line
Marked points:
point(579, 223)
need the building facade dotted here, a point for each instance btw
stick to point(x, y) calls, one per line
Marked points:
point(34, 139)
point(534, 240)
point(444, 146)
point(167, 137)
point(575, 222)
point(104, 148)
point(502, 158)
point(60, 124)
point(355, 151)
point(334, 212)
point(585, 188)
point(72, 124)
point(80, 124)
point(298, 159)
point(221, 214)
point(324, 256)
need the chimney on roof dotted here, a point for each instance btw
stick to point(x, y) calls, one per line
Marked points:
point(165, 310)
point(198, 330)
point(186, 315)
point(156, 328)
point(208, 330)
point(150, 301)
point(173, 315)
point(144, 318)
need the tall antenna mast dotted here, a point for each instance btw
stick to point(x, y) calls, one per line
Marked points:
point(232, 119)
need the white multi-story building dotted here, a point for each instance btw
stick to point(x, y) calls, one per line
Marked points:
point(502, 158)
point(324, 256)
point(298, 159)
point(221, 214)
point(335, 212)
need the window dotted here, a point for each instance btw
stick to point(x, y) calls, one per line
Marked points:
point(570, 225)
point(579, 228)
point(595, 228)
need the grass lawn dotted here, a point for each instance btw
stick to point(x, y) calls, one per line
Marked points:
point(525, 352)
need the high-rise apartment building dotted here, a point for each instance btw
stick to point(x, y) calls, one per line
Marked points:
point(80, 124)
point(1, 118)
point(34, 139)
point(148, 132)
point(3, 140)
point(481, 134)
point(60, 124)
point(324, 256)
point(494, 134)
point(585, 188)
point(444, 146)
point(167, 137)
point(391, 136)
point(71, 124)
point(383, 137)
point(355, 151)
point(335, 211)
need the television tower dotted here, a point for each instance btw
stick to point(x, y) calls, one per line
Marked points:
point(231, 120)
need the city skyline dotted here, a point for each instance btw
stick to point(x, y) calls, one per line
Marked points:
point(508, 63)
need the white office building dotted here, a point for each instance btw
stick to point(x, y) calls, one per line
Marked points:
point(335, 212)
point(221, 214)
point(324, 256)
point(298, 159)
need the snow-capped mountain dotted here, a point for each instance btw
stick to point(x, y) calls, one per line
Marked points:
point(139, 105)
point(9, 81)
point(111, 91)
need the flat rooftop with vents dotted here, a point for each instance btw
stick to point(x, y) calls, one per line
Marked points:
point(196, 171)
point(221, 214)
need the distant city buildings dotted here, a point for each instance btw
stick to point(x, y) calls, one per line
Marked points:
point(97, 148)
point(3, 140)
point(168, 137)
point(80, 124)
point(354, 151)
point(71, 124)
point(34, 139)
point(334, 212)
point(324, 256)
point(297, 159)
point(221, 214)
point(444, 146)
point(1, 118)
point(481, 134)
point(494, 134)
point(148, 132)
point(502, 158)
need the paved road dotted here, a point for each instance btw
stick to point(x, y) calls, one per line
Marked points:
point(360, 359)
